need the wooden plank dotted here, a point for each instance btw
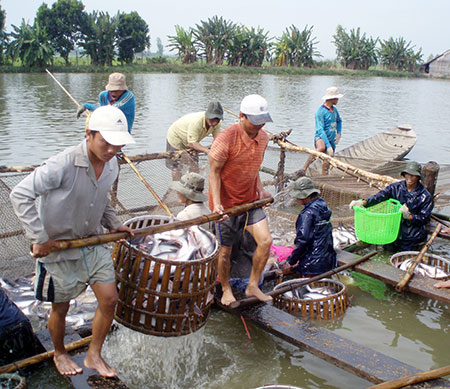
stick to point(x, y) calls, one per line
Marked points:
point(390, 275)
point(344, 353)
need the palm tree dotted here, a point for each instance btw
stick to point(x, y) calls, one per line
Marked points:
point(214, 37)
point(296, 48)
point(397, 54)
point(354, 50)
point(30, 44)
point(183, 41)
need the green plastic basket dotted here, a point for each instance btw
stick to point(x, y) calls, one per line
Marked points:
point(378, 224)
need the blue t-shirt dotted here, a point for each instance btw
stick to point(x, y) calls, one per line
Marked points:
point(328, 124)
point(125, 104)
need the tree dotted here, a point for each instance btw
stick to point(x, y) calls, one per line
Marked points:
point(296, 48)
point(183, 42)
point(248, 47)
point(397, 54)
point(354, 50)
point(160, 46)
point(132, 36)
point(63, 23)
point(99, 38)
point(3, 35)
point(214, 37)
point(31, 45)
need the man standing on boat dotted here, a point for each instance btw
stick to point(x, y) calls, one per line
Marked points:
point(328, 128)
point(117, 95)
point(73, 187)
point(235, 158)
point(313, 252)
point(417, 205)
point(187, 132)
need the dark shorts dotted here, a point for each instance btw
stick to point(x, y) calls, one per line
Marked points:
point(229, 229)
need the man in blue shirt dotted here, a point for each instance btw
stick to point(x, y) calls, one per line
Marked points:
point(328, 128)
point(117, 95)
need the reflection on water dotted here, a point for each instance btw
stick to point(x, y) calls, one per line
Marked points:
point(37, 118)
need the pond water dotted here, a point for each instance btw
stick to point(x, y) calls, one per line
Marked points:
point(37, 119)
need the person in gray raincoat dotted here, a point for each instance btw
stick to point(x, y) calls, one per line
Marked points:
point(313, 249)
point(417, 205)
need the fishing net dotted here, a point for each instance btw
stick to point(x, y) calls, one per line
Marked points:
point(131, 198)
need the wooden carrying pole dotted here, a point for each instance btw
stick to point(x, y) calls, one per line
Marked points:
point(414, 378)
point(409, 273)
point(43, 356)
point(253, 300)
point(112, 237)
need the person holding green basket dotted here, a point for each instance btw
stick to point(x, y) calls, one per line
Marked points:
point(416, 208)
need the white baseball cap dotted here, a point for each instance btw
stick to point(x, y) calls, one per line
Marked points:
point(111, 123)
point(256, 109)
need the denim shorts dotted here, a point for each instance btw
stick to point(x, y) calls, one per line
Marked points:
point(229, 229)
point(59, 282)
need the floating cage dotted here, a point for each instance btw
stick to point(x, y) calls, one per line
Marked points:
point(301, 304)
point(429, 259)
point(379, 223)
point(163, 297)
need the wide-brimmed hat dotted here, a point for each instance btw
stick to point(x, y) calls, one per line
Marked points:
point(414, 168)
point(303, 188)
point(190, 185)
point(332, 93)
point(256, 109)
point(111, 123)
point(214, 111)
point(116, 81)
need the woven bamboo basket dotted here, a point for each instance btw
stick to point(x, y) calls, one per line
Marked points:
point(162, 297)
point(429, 259)
point(328, 307)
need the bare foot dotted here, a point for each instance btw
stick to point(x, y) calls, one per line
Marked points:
point(227, 297)
point(96, 362)
point(65, 365)
point(254, 291)
point(442, 284)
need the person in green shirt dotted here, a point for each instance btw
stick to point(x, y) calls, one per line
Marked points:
point(187, 132)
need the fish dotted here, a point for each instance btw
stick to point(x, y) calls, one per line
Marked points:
point(423, 269)
point(313, 296)
point(7, 284)
point(343, 236)
point(322, 290)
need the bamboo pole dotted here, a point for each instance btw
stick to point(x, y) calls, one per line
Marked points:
point(273, 293)
point(409, 273)
point(43, 356)
point(414, 378)
point(112, 237)
point(131, 164)
point(64, 89)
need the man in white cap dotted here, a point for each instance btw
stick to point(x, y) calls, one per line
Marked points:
point(235, 158)
point(73, 187)
point(117, 95)
point(328, 128)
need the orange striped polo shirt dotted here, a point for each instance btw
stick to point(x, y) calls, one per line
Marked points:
point(243, 156)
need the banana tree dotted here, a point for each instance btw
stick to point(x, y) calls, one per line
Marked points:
point(183, 42)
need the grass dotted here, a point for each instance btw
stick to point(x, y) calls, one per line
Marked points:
point(171, 65)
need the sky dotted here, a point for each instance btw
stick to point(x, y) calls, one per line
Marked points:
point(425, 24)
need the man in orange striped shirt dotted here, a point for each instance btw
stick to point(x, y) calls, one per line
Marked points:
point(235, 157)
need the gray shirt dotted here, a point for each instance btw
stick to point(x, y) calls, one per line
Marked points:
point(73, 203)
point(196, 210)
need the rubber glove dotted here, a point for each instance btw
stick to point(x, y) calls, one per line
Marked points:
point(405, 210)
point(80, 111)
point(355, 203)
point(337, 139)
point(330, 151)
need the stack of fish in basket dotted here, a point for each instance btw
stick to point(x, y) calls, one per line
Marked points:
point(324, 299)
point(165, 280)
point(431, 266)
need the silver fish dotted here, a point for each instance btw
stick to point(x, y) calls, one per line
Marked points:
point(322, 290)
point(313, 296)
point(423, 269)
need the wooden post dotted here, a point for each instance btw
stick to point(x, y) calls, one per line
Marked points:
point(430, 173)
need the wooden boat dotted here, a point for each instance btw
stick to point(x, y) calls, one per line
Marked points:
point(375, 152)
